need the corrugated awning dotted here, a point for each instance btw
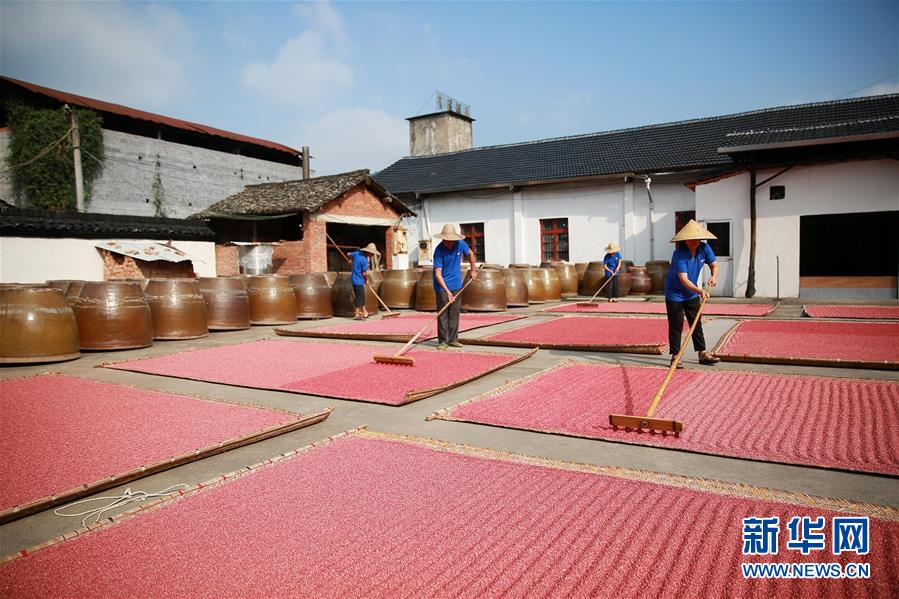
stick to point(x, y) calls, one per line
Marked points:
point(147, 250)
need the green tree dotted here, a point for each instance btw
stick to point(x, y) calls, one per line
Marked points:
point(48, 182)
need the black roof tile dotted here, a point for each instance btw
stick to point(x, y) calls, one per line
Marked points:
point(17, 222)
point(680, 145)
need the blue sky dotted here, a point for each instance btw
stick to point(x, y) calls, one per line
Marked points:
point(341, 77)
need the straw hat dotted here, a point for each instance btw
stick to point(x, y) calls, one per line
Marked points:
point(692, 230)
point(449, 233)
point(371, 249)
point(612, 247)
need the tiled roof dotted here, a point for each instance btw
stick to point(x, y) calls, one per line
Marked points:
point(16, 222)
point(674, 146)
point(291, 197)
point(134, 113)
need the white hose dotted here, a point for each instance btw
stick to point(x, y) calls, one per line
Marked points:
point(125, 498)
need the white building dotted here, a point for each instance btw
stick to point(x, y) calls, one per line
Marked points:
point(834, 164)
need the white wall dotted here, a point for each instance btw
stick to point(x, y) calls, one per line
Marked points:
point(862, 186)
point(36, 259)
point(597, 214)
point(594, 215)
point(493, 208)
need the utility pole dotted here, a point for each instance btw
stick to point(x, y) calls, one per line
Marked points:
point(76, 155)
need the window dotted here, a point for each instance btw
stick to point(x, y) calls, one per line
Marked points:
point(721, 230)
point(474, 237)
point(777, 192)
point(554, 238)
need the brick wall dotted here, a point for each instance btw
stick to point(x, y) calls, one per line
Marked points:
point(310, 254)
point(117, 266)
point(225, 260)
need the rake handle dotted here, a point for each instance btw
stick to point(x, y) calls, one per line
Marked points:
point(345, 257)
point(598, 291)
point(409, 343)
point(683, 347)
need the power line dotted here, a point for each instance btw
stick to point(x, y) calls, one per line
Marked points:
point(39, 154)
point(893, 76)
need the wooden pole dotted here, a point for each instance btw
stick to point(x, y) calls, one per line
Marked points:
point(76, 158)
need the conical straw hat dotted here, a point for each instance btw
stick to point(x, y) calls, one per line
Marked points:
point(449, 233)
point(371, 249)
point(692, 230)
point(612, 247)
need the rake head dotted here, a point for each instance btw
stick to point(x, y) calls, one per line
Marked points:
point(401, 360)
point(391, 315)
point(640, 423)
point(587, 304)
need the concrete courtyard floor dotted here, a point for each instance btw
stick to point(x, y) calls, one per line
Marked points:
point(410, 419)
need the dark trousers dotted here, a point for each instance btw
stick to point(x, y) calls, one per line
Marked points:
point(359, 295)
point(612, 288)
point(676, 312)
point(448, 322)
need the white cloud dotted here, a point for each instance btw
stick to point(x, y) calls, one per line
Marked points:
point(303, 73)
point(324, 19)
point(350, 139)
point(126, 53)
point(309, 68)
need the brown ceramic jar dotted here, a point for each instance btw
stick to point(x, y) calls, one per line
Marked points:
point(425, 296)
point(272, 300)
point(313, 295)
point(535, 283)
point(551, 283)
point(594, 277)
point(516, 287)
point(177, 308)
point(36, 325)
point(641, 284)
point(227, 303)
point(658, 270)
point(398, 288)
point(581, 268)
point(567, 277)
point(487, 293)
point(113, 315)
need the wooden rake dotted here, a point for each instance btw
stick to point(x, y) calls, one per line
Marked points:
point(399, 357)
point(647, 421)
point(390, 313)
point(591, 303)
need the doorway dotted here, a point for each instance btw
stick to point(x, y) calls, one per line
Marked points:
point(352, 237)
point(849, 255)
point(722, 249)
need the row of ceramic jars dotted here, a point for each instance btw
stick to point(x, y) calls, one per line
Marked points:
point(633, 280)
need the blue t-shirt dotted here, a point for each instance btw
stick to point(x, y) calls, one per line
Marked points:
point(360, 265)
point(611, 261)
point(683, 261)
point(451, 263)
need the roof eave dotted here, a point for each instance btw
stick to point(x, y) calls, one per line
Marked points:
point(808, 142)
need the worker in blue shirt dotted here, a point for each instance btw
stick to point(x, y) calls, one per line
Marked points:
point(611, 265)
point(360, 277)
point(683, 295)
point(448, 281)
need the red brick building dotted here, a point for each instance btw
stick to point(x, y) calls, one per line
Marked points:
point(352, 208)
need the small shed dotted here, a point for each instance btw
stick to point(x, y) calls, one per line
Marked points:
point(351, 208)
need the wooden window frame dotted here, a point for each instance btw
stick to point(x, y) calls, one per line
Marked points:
point(474, 237)
point(554, 229)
